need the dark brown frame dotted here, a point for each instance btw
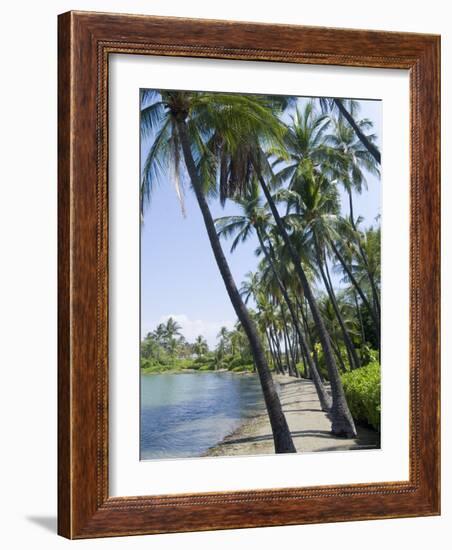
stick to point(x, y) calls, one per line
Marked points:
point(85, 42)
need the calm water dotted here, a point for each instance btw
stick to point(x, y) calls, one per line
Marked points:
point(182, 415)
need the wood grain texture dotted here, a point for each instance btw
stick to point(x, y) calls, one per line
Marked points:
point(64, 294)
point(85, 42)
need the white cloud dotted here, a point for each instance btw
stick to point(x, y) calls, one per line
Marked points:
point(191, 328)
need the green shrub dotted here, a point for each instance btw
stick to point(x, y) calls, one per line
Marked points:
point(149, 366)
point(301, 369)
point(368, 354)
point(205, 367)
point(226, 359)
point(362, 390)
point(322, 368)
point(206, 359)
point(236, 361)
point(243, 368)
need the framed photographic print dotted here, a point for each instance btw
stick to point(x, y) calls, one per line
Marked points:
point(248, 275)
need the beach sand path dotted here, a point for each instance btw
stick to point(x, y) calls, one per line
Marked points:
point(309, 425)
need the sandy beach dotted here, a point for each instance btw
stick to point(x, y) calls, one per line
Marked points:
point(309, 425)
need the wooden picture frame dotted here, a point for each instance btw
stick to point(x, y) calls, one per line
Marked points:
point(86, 40)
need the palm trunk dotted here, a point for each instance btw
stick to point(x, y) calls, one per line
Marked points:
point(284, 341)
point(275, 341)
point(324, 398)
point(364, 259)
point(286, 352)
point(289, 350)
point(295, 345)
point(355, 359)
point(337, 352)
point(347, 340)
point(373, 286)
point(272, 353)
point(303, 359)
point(281, 434)
point(364, 140)
point(315, 357)
point(350, 203)
point(360, 319)
point(342, 420)
point(280, 353)
point(355, 283)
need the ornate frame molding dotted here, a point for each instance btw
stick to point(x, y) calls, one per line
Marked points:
point(85, 42)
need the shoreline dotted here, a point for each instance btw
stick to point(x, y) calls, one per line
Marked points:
point(195, 371)
point(310, 430)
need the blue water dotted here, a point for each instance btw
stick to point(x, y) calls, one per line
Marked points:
point(183, 415)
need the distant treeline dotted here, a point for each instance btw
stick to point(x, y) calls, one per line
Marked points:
point(166, 349)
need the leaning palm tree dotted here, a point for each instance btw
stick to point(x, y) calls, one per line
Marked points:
point(347, 249)
point(199, 127)
point(348, 110)
point(315, 201)
point(249, 160)
point(367, 263)
point(355, 160)
point(306, 150)
point(255, 218)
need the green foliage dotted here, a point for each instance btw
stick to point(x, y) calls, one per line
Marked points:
point(308, 155)
point(148, 366)
point(162, 351)
point(368, 355)
point(370, 331)
point(236, 361)
point(205, 367)
point(204, 362)
point(301, 369)
point(243, 368)
point(322, 363)
point(362, 390)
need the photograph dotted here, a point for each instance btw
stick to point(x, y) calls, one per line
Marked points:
point(260, 286)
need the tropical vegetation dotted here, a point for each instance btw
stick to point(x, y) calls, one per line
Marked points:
point(166, 350)
point(293, 169)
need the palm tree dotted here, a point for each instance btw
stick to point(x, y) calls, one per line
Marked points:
point(305, 148)
point(315, 201)
point(305, 133)
point(354, 159)
point(347, 110)
point(224, 340)
point(256, 218)
point(200, 346)
point(347, 249)
point(172, 329)
point(202, 128)
point(149, 346)
point(368, 263)
point(160, 333)
point(223, 346)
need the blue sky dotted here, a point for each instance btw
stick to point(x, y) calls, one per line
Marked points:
point(179, 276)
